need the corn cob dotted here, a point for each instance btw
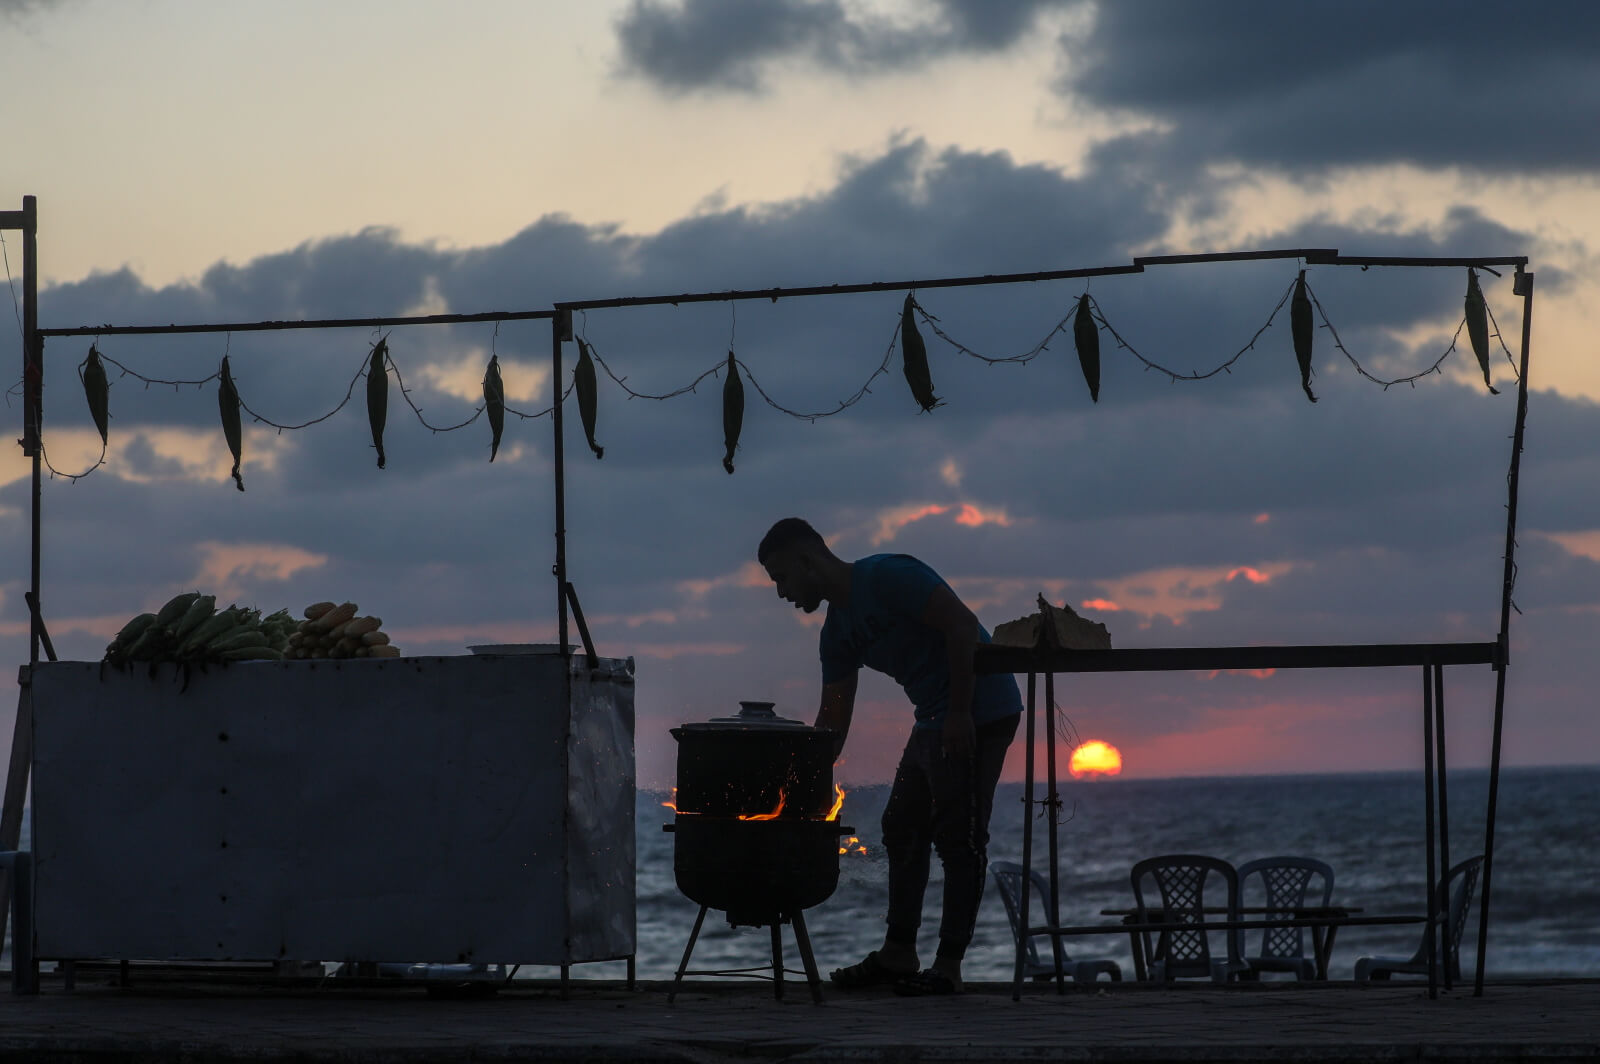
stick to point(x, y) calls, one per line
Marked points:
point(375, 639)
point(134, 629)
point(175, 608)
point(155, 642)
point(494, 403)
point(196, 615)
point(383, 650)
point(317, 609)
point(228, 401)
point(1301, 326)
point(584, 380)
point(97, 391)
point(250, 637)
point(732, 411)
point(914, 357)
point(222, 639)
point(378, 395)
point(222, 622)
point(332, 619)
point(360, 626)
point(1086, 337)
point(1478, 326)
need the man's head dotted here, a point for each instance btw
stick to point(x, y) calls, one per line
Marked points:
point(795, 557)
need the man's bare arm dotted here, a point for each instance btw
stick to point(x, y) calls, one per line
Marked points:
point(950, 616)
point(838, 705)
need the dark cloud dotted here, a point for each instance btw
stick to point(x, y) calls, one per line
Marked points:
point(16, 9)
point(1324, 83)
point(730, 44)
point(1386, 507)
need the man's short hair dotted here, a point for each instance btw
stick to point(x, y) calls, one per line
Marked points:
point(786, 534)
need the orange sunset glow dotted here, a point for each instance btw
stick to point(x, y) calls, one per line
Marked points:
point(1095, 758)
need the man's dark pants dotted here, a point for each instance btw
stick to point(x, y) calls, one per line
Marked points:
point(942, 804)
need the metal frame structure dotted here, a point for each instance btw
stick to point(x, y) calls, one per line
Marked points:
point(1032, 661)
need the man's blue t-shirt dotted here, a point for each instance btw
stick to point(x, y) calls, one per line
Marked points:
point(882, 628)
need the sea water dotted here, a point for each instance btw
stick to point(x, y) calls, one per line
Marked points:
point(1544, 910)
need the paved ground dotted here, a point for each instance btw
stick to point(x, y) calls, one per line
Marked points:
point(305, 1022)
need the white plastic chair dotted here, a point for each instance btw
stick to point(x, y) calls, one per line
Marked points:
point(1008, 878)
point(1455, 901)
point(1285, 883)
point(1181, 880)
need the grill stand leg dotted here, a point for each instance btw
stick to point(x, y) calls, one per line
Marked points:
point(777, 959)
point(683, 965)
point(803, 940)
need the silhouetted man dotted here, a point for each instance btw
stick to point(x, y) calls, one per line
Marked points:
point(893, 613)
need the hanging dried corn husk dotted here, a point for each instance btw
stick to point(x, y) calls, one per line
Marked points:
point(583, 377)
point(494, 402)
point(1086, 336)
point(732, 411)
point(1300, 324)
point(914, 358)
point(97, 391)
point(228, 402)
point(378, 395)
point(1478, 326)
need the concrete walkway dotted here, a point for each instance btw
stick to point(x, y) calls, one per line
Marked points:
point(307, 1022)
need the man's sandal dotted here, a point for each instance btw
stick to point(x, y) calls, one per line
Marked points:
point(929, 982)
point(870, 972)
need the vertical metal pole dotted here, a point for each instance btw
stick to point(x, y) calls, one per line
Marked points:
point(1443, 772)
point(1052, 916)
point(560, 326)
point(1430, 937)
point(32, 393)
point(1444, 798)
point(1027, 844)
point(1523, 287)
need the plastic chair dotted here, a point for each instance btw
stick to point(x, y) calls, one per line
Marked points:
point(1182, 879)
point(1454, 894)
point(1285, 882)
point(1008, 877)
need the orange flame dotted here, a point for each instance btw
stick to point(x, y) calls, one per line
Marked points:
point(766, 816)
point(672, 803)
point(852, 845)
point(838, 803)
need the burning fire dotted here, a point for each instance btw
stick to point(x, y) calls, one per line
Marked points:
point(852, 845)
point(766, 816)
point(838, 804)
point(833, 813)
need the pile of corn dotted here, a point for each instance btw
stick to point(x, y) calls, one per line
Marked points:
point(334, 631)
point(190, 629)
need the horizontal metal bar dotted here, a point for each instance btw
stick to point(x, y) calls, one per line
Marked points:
point(846, 289)
point(321, 323)
point(1226, 925)
point(1410, 260)
point(991, 658)
point(11, 220)
point(1233, 256)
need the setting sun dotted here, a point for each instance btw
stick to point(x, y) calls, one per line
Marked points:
point(1095, 758)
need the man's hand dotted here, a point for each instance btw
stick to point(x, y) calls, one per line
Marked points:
point(960, 737)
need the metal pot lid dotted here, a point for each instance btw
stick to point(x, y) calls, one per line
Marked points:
point(752, 716)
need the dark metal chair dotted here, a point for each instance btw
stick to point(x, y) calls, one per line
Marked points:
point(1455, 901)
point(1181, 881)
point(1008, 878)
point(1284, 884)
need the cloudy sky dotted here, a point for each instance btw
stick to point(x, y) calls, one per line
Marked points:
point(200, 162)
